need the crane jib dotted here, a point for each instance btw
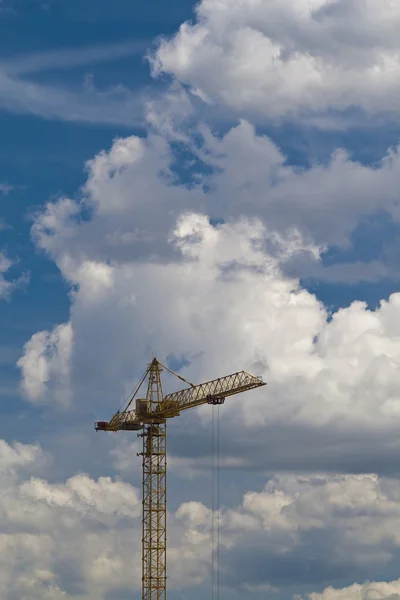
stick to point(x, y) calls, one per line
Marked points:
point(212, 392)
point(205, 392)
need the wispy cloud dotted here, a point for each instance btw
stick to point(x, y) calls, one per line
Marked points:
point(6, 7)
point(69, 58)
point(117, 105)
point(8, 286)
point(5, 188)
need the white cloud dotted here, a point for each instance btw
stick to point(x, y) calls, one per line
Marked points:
point(351, 520)
point(287, 59)
point(149, 273)
point(17, 455)
point(240, 173)
point(217, 295)
point(79, 538)
point(63, 540)
point(226, 306)
point(46, 359)
point(81, 494)
point(376, 590)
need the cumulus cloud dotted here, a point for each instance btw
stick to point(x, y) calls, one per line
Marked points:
point(225, 306)
point(240, 173)
point(80, 537)
point(46, 359)
point(288, 59)
point(158, 272)
point(304, 529)
point(376, 590)
point(17, 456)
point(148, 272)
point(62, 540)
point(152, 268)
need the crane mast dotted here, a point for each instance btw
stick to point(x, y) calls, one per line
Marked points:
point(150, 416)
point(154, 495)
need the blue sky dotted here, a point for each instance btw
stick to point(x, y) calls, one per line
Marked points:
point(224, 194)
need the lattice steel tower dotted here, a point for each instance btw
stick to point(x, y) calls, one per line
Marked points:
point(150, 416)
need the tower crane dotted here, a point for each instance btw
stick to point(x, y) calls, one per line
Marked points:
point(150, 416)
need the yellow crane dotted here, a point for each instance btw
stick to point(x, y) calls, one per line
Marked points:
point(150, 416)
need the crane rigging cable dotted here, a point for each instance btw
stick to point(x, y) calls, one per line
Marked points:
point(131, 397)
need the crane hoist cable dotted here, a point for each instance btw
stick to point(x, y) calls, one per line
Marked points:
point(212, 505)
point(215, 503)
point(218, 502)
